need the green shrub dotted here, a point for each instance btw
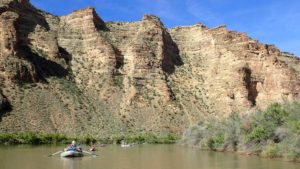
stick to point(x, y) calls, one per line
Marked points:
point(31, 138)
point(151, 138)
point(272, 150)
point(167, 139)
point(42, 138)
point(219, 140)
point(292, 120)
point(258, 134)
point(274, 132)
point(194, 135)
point(290, 147)
point(264, 124)
point(88, 140)
point(232, 131)
point(276, 114)
point(211, 144)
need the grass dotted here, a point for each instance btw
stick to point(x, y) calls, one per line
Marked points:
point(32, 138)
point(273, 133)
point(150, 138)
point(41, 138)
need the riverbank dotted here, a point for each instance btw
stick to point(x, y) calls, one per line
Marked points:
point(43, 138)
point(273, 133)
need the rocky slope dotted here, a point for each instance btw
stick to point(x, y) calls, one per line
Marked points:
point(76, 74)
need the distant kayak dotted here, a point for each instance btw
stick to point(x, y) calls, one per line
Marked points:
point(126, 145)
point(71, 154)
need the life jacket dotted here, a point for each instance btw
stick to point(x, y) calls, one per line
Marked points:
point(72, 148)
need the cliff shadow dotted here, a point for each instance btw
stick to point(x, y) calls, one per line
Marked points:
point(119, 58)
point(44, 67)
point(65, 55)
point(5, 106)
point(172, 57)
point(29, 18)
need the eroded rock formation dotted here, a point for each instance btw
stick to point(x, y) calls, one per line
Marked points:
point(76, 74)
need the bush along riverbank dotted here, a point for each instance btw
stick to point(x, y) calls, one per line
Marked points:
point(41, 138)
point(32, 138)
point(151, 138)
point(273, 133)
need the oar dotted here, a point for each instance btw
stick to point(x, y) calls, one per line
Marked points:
point(90, 153)
point(55, 153)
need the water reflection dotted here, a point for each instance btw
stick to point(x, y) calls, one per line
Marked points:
point(68, 163)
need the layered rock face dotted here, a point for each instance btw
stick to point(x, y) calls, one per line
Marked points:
point(232, 72)
point(78, 75)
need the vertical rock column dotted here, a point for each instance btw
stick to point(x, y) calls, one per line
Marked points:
point(8, 36)
point(10, 59)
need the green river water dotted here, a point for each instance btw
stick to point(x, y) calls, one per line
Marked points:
point(136, 157)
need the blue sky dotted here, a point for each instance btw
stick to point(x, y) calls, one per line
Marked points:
point(270, 21)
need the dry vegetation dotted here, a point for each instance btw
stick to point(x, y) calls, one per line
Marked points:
point(271, 133)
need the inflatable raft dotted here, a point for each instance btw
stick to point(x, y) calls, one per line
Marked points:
point(71, 153)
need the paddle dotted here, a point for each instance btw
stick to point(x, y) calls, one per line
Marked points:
point(90, 153)
point(55, 153)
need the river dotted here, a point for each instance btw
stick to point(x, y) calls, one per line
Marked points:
point(136, 157)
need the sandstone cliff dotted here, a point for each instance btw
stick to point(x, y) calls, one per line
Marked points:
point(76, 74)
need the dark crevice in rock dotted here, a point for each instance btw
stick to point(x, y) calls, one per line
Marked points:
point(172, 94)
point(5, 106)
point(119, 62)
point(119, 59)
point(252, 93)
point(171, 54)
point(65, 55)
point(250, 86)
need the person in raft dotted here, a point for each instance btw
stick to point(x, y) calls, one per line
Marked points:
point(93, 147)
point(73, 147)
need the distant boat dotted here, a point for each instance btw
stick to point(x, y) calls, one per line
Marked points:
point(124, 144)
